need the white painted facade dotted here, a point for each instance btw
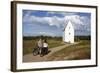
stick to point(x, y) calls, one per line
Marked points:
point(68, 34)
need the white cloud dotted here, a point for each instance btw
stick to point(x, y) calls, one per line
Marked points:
point(80, 22)
point(44, 20)
point(56, 21)
point(76, 19)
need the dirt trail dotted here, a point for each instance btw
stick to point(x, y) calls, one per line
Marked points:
point(32, 58)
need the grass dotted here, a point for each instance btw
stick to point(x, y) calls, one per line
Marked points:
point(30, 44)
point(74, 52)
point(54, 43)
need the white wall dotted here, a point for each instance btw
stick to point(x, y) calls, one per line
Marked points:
point(69, 29)
point(5, 37)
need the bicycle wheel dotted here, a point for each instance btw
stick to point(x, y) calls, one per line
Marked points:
point(35, 52)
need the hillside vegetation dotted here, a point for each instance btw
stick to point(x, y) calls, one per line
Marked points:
point(81, 50)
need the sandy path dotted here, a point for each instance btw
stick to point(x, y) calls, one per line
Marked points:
point(32, 58)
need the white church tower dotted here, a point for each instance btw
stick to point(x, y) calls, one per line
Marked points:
point(68, 34)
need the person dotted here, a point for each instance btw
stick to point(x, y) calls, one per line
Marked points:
point(45, 47)
point(40, 46)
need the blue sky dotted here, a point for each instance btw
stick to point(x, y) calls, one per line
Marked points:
point(51, 23)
